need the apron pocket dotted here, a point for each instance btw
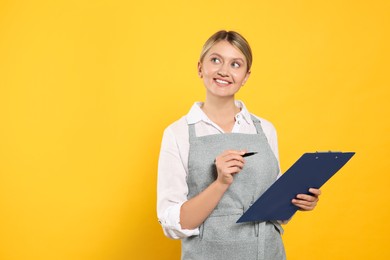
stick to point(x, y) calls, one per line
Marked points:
point(219, 250)
point(278, 227)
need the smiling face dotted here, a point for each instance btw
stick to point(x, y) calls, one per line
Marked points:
point(223, 70)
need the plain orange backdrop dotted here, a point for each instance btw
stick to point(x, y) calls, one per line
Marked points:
point(87, 88)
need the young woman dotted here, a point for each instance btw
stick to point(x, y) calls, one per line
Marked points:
point(204, 182)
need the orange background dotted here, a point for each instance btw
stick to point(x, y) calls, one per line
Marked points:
point(87, 87)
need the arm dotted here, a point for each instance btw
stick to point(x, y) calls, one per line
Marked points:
point(196, 210)
point(172, 188)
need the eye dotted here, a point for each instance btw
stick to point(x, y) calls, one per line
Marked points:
point(215, 60)
point(236, 65)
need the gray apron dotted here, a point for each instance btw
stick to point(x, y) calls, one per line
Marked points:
point(220, 237)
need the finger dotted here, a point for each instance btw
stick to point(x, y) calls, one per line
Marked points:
point(304, 205)
point(223, 167)
point(314, 191)
point(305, 208)
point(229, 172)
point(238, 152)
point(307, 197)
point(304, 202)
point(223, 163)
point(233, 154)
point(233, 157)
point(231, 167)
point(230, 155)
point(231, 164)
point(234, 170)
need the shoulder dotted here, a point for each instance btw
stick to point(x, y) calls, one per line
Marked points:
point(177, 131)
point(178, 126)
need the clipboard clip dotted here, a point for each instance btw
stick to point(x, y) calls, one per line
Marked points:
point(329, 151)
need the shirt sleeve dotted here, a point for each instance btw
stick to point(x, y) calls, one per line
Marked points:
point(270, 133)
point(172, 188)
point(170, 223)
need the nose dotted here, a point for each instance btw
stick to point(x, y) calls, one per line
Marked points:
point(223, 70)
point(222, 74)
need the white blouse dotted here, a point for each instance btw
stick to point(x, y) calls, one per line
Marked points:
point(172, 189)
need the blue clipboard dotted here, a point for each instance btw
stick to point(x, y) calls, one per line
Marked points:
point(312, 170)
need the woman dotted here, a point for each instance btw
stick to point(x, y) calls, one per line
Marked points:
point(204, 182)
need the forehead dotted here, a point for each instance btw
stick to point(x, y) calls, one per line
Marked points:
point(226, 50)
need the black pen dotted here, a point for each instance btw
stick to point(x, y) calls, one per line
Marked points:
point(249, 154)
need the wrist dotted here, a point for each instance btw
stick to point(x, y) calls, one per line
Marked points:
point(220, 186)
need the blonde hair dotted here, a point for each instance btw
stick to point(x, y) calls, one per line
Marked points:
point(235, 39)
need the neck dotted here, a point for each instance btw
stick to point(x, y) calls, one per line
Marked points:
point(221, 111)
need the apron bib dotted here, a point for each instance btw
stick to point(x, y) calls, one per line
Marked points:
point(220, 237)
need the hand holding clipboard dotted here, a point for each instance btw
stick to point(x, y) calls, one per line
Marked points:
point(312, 170)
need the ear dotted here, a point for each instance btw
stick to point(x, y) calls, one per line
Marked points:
point(200, 74)
point(246, 78)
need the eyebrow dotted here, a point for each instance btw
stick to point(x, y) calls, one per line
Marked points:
point(219, 55)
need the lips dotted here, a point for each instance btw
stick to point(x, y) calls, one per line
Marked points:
point(222, 82)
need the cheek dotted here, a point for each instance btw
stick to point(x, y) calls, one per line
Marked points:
point(209, 71)
point(239, 76)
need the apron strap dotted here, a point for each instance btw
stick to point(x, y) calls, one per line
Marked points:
point(257, 124)
point(191, 132)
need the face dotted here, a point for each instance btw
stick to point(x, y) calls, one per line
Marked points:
point(223, 70)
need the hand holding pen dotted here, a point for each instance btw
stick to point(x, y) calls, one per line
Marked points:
point(230, 163)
